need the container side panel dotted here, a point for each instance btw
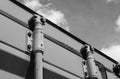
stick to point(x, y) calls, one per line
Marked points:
point(15, 10)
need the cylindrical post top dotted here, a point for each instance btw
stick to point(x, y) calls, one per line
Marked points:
point(87, 54)
point(36, 25)
point(86, 50)
point(36, 19)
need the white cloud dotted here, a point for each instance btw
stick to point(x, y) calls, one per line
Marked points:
point(115, 1)
point(117, 28)
point(34, 4)
point(112, 51)
point(109, 1)
point(53, 15)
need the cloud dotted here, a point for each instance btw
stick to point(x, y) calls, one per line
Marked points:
point(117, 28)
point(52, 14)
point(112, 51)
point(115, 1)
point(109, 1)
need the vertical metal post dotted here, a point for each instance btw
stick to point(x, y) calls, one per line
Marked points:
point(36, 25)
point(116, 69)
point(102, 69)
point(103, 73)
point(87, 54)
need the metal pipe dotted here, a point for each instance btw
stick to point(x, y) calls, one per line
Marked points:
point(36, 23)
point(87, 54)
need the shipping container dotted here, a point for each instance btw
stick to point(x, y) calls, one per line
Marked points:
point(62, 59)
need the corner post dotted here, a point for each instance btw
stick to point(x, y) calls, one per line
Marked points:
point(89, 66)
point(36, 25)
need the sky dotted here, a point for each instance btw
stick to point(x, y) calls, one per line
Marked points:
point(95, 21)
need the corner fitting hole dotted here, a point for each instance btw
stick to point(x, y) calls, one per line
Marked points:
point(85, 73)
point(29, 47)
point(29, 34)
point(84, 62)
point(41, 44)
